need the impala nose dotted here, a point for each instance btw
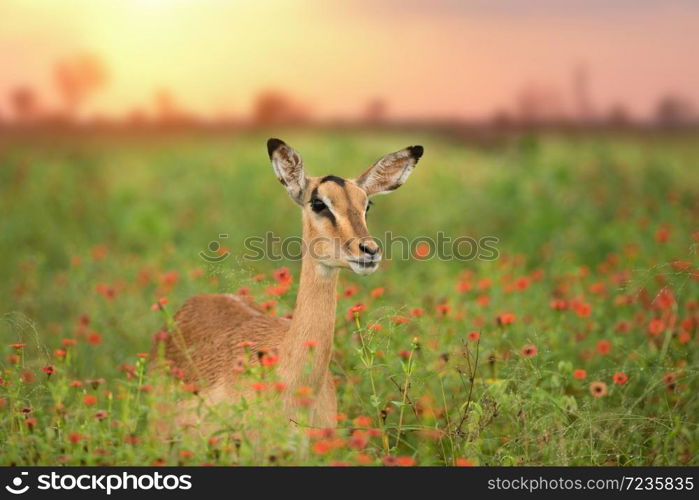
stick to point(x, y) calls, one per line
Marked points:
point(369, 247)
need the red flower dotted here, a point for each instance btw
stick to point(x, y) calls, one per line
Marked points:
point(377, 292)
point(310, 343)
point(443, 309)
point(505, 318)
point(258, 386)
point(282, 275)
point(69, 342)
point(656, 327)
point(528, 351)
point(579, 374)
point(89, 400)
point(358, 308)
point(417, 312)
point(18, 346)
point(463, 286)
point(48, 370)
point(400, 319)
point(74, 437)
point(473, 336)
point(375, 327)
point(620, 378)
point(94, 338)
point(604, 347)
point(158, 306)
point(559, 304)
point(269, 360)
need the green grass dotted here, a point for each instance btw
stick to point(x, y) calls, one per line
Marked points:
point(95, 229)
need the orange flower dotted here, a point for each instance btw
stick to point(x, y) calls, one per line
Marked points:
point(18, 346)
point(377, 292)
point(579, 374)
point(362, 421)
point(310, 343)
point(258, 386)
point(505, 318)
point(417, 312)
point(375, 327)
point(598, 389)
point(604, 347)
point(620, 378)
point(405, 461)
point(89, 400)
point(400, 319)
point(464, 462)
point(422, 250)
point(473, 336)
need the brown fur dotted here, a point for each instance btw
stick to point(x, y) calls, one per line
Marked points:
point(211, 327)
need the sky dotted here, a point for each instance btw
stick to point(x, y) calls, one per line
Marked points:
point(429, 59)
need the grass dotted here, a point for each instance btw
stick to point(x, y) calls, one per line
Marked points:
point(449, 363)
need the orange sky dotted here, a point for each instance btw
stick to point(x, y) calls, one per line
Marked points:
point(438, 59)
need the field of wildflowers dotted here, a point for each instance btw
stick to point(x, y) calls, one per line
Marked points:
point(578, 345)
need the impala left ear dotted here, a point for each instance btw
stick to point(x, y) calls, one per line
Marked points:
point(390, 172)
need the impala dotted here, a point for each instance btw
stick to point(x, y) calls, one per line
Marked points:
point(213, 328)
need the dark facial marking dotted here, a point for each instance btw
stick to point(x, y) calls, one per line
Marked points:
point(325, 212)
point(333, 178)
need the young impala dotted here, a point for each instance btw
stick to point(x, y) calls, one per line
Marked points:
point(333, 212)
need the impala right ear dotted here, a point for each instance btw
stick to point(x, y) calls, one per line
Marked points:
point(288, 166)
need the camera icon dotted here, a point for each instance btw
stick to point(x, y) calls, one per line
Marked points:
point(214, 247)
point(16, 487)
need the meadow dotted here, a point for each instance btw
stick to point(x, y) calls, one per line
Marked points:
point(577, 345)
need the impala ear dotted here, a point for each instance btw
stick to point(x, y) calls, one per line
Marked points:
point(288, 167)
point(390, 172)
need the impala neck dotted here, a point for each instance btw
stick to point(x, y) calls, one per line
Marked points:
point(313, 321)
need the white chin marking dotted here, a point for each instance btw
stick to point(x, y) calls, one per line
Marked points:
point(363, 270)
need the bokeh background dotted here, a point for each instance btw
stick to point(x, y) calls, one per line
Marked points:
point(132, 135)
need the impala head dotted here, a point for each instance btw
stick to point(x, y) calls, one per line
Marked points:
point(334, 209)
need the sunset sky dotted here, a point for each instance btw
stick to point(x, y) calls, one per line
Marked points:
point(445, 58)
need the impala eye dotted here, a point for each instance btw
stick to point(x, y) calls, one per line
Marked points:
point(368, 206)
point(317, 205)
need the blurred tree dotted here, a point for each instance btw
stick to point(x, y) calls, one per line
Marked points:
point(619, 115)
point(673, 110)
point(376, 110)
point(537, 104)
point(275, 108)
point(166, 106)
point(77, 77)
point(581, 94)
point(25, 103)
